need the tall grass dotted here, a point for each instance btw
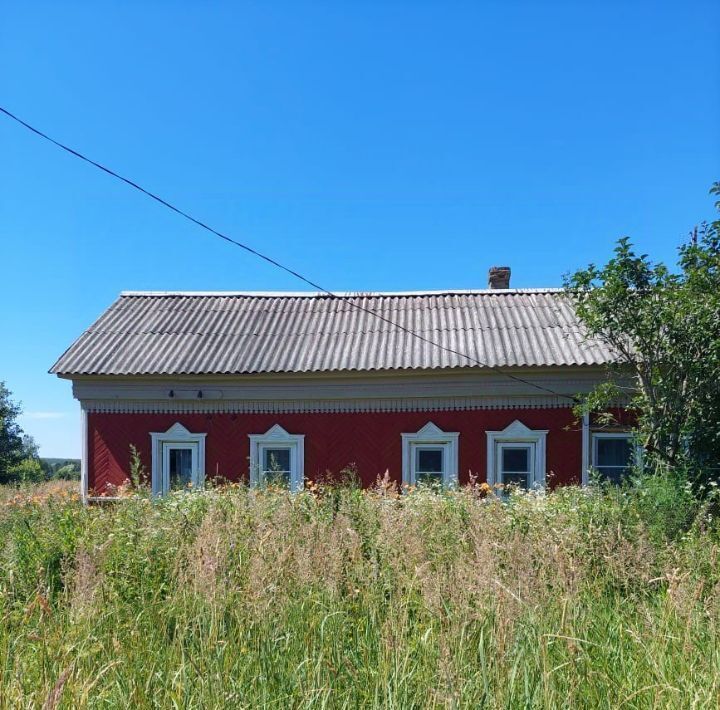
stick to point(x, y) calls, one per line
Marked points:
point(344, 598)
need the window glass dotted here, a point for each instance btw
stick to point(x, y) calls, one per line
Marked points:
point(276, 466)
point(613, 457)
point(428, 465)
point(515, 466)
point(180, 463)
point(516, 460)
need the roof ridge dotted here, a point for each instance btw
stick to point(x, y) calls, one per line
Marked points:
point(344, 294)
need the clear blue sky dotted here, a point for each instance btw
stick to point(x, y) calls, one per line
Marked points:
point(371, 145)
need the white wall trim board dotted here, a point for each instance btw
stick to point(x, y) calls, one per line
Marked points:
point(83, 454)
point(398, 385)
point(585, 472)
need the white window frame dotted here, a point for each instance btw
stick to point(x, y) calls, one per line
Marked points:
point(431, 436)
point(596, 436)
point(178, 437)
point(277, 438)
point(518, 434)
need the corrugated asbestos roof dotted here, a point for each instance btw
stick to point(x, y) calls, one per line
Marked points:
point(155, 333)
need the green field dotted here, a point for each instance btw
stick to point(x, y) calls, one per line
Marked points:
point(342, 598)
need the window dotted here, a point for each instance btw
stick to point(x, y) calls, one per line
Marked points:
point(613, 455)
point(277, 458)
point(516, 464)
point(276, 466)
point(178, 459)
point(430, 457)
point(516, 456)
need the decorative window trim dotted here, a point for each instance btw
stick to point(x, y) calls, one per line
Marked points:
point(276, 436)
point(161, 442)
point(596, 436)
point(518, 433)
point(431, 435)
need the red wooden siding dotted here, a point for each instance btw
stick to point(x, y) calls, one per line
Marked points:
point(332, 441)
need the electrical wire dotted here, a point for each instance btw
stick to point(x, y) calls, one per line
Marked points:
point(347, 299)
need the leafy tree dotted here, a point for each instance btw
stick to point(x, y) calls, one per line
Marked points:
point(12, 449)
point(19, 453)
point(30, 448)
point(665, 327)
point(28, 470)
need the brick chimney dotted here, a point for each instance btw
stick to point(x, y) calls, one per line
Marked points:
point(499, 277)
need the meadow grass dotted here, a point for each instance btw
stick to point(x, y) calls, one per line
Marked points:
point(338, 597)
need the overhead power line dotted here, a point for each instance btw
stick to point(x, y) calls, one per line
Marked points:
point(347, 299)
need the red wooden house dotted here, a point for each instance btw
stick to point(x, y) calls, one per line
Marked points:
point(291, 386)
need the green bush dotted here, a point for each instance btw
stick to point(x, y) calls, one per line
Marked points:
point(28, 470)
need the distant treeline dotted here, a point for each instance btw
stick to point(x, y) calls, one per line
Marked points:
point(61, 469)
